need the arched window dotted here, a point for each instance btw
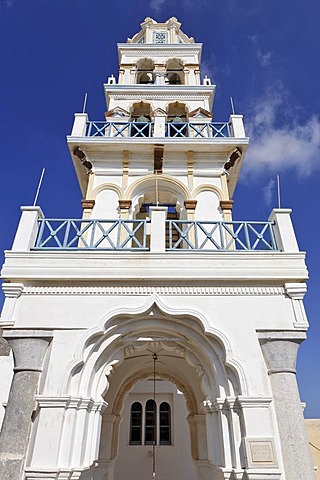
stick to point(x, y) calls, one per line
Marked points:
point(150, 423)
point(136, 424)
point(165, 424)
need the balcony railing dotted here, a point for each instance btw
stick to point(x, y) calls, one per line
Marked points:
point(195, 235)
point(120, 129)
point(147, 129)
point(197, 130)
point(79, 234)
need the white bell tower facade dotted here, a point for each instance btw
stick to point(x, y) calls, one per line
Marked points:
point(155, 337)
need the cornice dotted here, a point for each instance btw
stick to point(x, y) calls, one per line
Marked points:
point(154, 290)
point(174, 267)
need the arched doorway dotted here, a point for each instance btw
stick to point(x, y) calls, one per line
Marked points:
point(154, 433)
point(188, 361)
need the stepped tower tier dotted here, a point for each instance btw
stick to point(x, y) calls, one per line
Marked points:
point(155, 336)
point(159, 120)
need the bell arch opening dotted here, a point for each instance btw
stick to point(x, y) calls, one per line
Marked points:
point(144, 75)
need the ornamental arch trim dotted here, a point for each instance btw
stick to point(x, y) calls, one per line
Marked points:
point(102, 348)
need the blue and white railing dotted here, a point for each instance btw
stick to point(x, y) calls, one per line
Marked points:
point(159, 128)
point(156, 235)
point(195, 235)
point(120, 129)
point(79, 234)
point(146, 129)
point(198, 130)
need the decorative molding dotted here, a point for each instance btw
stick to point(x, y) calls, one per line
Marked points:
point(226, 204)
point(190, 204)
point(296, 291)
point(149, 51)
point(227, 403)
point(79, 403)
point(125, 204)
point(12, 290)
point(87, 204)
point(153, 290)
point(165, 95)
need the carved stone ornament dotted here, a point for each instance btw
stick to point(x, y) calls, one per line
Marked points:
point(87, 204)
point(125, 204)
point(226, 204)
point(190, 204)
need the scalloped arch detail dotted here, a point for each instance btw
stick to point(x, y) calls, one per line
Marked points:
point(107, 326)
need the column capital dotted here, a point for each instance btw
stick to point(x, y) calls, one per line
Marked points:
point(280, 349)
point(29, 347)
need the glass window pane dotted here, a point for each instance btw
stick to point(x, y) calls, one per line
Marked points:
point(165, 424)
point(136, 424)
point(150, 423)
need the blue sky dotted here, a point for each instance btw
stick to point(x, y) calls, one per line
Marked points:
point(263, 53)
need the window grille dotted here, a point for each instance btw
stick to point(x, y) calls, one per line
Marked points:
point(160, 37)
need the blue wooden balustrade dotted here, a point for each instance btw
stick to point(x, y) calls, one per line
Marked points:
point(79, 234)
point(225, 236)
point(197, 130)
point(146, 129)
point(120, 129)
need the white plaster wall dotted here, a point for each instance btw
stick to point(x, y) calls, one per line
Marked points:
point(106, 205)
point(208, 209)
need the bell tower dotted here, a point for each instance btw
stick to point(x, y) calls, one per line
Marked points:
point(156, 336)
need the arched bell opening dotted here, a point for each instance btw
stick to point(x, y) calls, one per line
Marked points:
point(174, 72)
point(160, 190)
point(145, 75)
point(141, 125)
point(177, 119)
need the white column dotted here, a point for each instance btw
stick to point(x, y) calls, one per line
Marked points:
point(158, 229)
point(27, 229)
point(29, 348)
point(79, 125)
point(283, 230)
point(280, 352)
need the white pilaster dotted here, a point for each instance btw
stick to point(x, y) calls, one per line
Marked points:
point(79, 125)
point(283, 230)
point(237, 126)
point(158, 229)
point(27, 229)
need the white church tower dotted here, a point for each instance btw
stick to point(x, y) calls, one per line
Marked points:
point(155, 337)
